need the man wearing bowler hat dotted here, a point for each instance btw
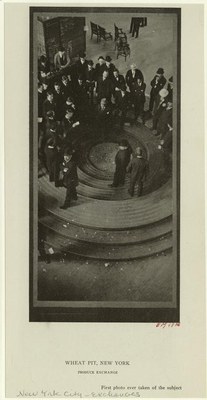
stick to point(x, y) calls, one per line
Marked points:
point(81, 65)
point(138, 167)
point(100, 67)
point(109, 66)
point(70, 178)
point(157, 83)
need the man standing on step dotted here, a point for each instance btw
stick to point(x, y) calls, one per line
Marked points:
point(121, 160)
point(138, 167)
point(70, 178)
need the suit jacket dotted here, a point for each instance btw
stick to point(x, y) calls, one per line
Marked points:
point(51, 127)
point(40, 104)
point(67, 125)
point(99, 69)
point(48, 106)
point(122, 159)
point(59, 101)
point(70, 177)
point(157, 86)
point(90, 78)
point(170, 94)
point(118, 82)
point(67, 90)
point(123, 102)
point(138, 91)
point(43, 69)
point(110, 70)
point(81, 68)
point(81, 97)
point(104, 88)
point(164, 119)
point(131, 79)
point(160, 106)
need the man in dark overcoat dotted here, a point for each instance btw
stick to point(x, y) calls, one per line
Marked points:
point(90, 81)
point(122, 104)
point(164, 120)
point(118, 81)
point(138, 167)
point(81, 65)
point(59, 101)
point(48, 104)
point(104, 119)
point(109, 66)
point(51, 158)
point(157, 83)
point(160, 106)
point(170, 89)
point(122, 159)
point(138, 98)
point(104, 87)
point(70, 178)
point(100, 67)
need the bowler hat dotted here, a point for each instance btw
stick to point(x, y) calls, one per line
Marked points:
point(160, 71)
point(68, 151)
point(108, 58)
point(90, 62)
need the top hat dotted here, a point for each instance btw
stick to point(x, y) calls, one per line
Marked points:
point(68, 151)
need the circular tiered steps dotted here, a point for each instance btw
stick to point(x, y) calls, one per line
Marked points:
point(106, 223)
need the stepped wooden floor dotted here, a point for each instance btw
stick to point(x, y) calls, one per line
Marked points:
point(106, 223)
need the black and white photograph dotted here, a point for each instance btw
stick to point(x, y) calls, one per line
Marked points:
point(105, 164)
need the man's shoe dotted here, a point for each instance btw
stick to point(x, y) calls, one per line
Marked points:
point(64, 207)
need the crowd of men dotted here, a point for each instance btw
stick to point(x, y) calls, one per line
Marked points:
point(80, 95)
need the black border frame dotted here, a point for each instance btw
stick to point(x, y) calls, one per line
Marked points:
point(102, 314)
